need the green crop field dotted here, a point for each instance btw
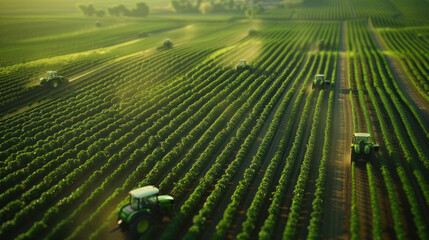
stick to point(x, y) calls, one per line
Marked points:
point(255, 151)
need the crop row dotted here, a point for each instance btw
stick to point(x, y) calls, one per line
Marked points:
point(267, 229)
point(128, 149)
point(376, 218)
point(37, 124)
point(12, 87)
point(188, 179)
point(124, 129)
point(252, 212)
point(190, 203)
point(298, 192)
point(37, 163)
point(250, 172)
point(192, 174)
point(68, 136)
point(130, 182)
point(269, 61)
point(385, 74)
point(399, 230)
point(317, 204)
point(39, 115)
point(369, 70)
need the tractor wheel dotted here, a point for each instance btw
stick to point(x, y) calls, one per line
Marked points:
point(55, 84)
point(140, 224)
point(354, 155)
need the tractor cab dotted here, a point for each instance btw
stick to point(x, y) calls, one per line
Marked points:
point(145, 204)
point(361, 137)
point(52, 74)
point(144, 198)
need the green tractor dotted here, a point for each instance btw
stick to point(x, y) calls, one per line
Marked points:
point(145, 204)
point(251, 31)
point(52, 79)
point(363, 147)
point(321, 82)
point(242, 65)
point(321, 44)
point(167, 43)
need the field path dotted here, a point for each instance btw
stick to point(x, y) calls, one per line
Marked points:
point(409, 91)
point(337, 201)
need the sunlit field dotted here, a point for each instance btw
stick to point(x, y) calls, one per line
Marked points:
point(225, 119)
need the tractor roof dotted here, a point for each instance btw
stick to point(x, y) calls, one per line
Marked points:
point(320, 75)
point(362, 135)
point(52, 71)
point(144, 191)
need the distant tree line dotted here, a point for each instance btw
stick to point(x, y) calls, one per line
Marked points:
point(249, 7)
point(89, 10)
point(141, 10)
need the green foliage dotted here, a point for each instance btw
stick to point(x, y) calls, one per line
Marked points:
point(100, 13)
point(87, 10)
point(377, 88)
point(217, 6)
point(254, 10)
point(119, 10)
point(141, 10)
point(183, 6)
point(183, 119)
